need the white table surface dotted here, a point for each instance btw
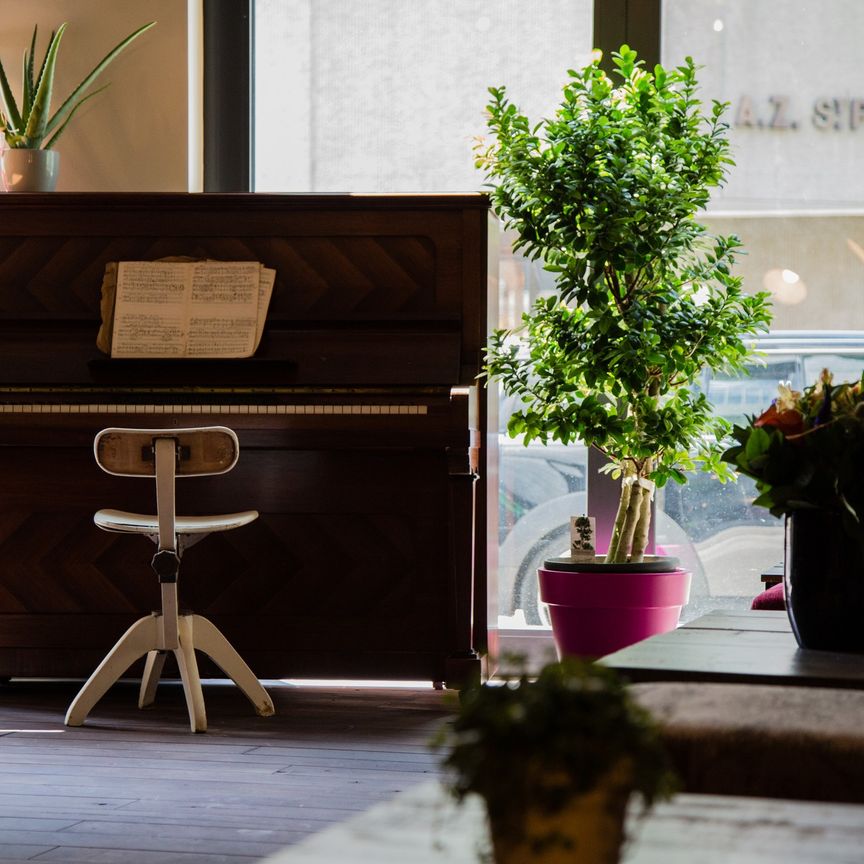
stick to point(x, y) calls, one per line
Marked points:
point(424, 826)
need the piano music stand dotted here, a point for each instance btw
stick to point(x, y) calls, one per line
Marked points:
point(166, 454)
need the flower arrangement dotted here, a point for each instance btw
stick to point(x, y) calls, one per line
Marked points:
point(806, 451)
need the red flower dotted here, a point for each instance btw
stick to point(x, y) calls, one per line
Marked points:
point(789, 422)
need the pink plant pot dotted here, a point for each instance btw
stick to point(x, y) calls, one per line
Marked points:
point(596, 613)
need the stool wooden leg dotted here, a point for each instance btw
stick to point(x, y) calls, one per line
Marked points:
point(141, 637)
point(185, 655)
point(210, 639)
point(150, 679)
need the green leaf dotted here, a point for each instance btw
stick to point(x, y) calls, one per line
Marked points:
point(12, 113)
point(30, 125)
point(37, 118)
point(27, 76)
point(53, 140)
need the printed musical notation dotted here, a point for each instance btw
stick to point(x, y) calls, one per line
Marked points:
point(189, 308)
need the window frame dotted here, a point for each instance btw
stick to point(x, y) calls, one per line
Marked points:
point(229, 52)
point(229, 56)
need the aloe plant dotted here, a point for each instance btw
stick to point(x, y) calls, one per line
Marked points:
point(32, 126)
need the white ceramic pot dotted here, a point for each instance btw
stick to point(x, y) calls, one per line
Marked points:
point(30, 170)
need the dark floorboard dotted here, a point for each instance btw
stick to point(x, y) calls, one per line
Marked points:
point(136, 787)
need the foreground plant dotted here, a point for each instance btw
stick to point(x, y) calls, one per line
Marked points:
point(27, 125)
point(536, 749)
point(605, 194)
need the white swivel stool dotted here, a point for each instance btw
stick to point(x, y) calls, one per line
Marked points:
point(167, 454)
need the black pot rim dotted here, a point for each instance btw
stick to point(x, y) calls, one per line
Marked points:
point(651, 564)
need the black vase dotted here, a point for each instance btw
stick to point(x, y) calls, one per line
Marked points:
point(824, 582)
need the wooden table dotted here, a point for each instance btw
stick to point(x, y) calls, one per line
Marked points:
point(423, 826)
point(746, 647)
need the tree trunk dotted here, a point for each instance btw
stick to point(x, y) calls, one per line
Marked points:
point(640, 535)
point(629, 507)
point(634, 508)
point(643, 523)
point(620, 520)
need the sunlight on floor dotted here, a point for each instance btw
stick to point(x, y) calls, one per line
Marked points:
point(33, 731)
point(333, 682)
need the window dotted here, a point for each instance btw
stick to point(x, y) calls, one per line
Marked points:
point(387, 95)
point(795, 198)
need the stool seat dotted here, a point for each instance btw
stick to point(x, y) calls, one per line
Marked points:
point(140, 523)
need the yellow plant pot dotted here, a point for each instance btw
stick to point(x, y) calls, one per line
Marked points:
point(588, 829)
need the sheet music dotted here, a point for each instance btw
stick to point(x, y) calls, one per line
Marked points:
point(190, 309)
point(265, 292)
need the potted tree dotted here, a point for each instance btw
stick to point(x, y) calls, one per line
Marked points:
point(30, 164)
point(605, 194)
point(556, 760)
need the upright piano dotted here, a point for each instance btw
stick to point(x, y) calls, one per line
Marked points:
point(359, 418)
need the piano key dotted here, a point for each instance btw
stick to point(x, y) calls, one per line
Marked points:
point(135, 408)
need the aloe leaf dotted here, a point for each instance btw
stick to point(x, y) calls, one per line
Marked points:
point(37, 119)
point(35, 83)
point(69, 105)
point(51, 38)
point(49, 144)
point(27, 94)
point(27, 77)
point(9, 101)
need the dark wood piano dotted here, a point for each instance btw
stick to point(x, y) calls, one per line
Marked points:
point(358, 417)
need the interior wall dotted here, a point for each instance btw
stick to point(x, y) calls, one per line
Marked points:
point(133, 136)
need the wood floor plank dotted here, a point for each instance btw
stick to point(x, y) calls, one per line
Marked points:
point(135, 787)
point(23, 852)
point(149, 840)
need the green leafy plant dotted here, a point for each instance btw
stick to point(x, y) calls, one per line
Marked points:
point(605, 194)
point(806, 451)
point(30, 124)
point(524, 742)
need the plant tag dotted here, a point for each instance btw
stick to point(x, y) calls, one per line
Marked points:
point(582, 538)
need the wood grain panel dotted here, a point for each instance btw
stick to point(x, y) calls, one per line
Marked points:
point(363, 561)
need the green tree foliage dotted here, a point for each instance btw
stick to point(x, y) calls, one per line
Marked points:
point(605, 195)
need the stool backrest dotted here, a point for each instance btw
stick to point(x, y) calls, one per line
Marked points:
point(201, 451)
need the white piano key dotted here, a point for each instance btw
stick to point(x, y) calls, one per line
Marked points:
point(234, 409)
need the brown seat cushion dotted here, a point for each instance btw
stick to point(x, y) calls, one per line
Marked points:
point(777, 742)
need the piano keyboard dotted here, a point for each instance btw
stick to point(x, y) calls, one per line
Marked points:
point(70, 408)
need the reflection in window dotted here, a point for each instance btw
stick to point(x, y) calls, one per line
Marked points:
point(788, 70)
point(388, 95)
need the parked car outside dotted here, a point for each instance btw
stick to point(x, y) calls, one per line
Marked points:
point(711, 527)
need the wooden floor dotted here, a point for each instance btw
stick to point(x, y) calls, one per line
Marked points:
point(136, 787)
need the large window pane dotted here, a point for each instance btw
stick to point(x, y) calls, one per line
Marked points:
point(795, 198)
point(387, 95)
